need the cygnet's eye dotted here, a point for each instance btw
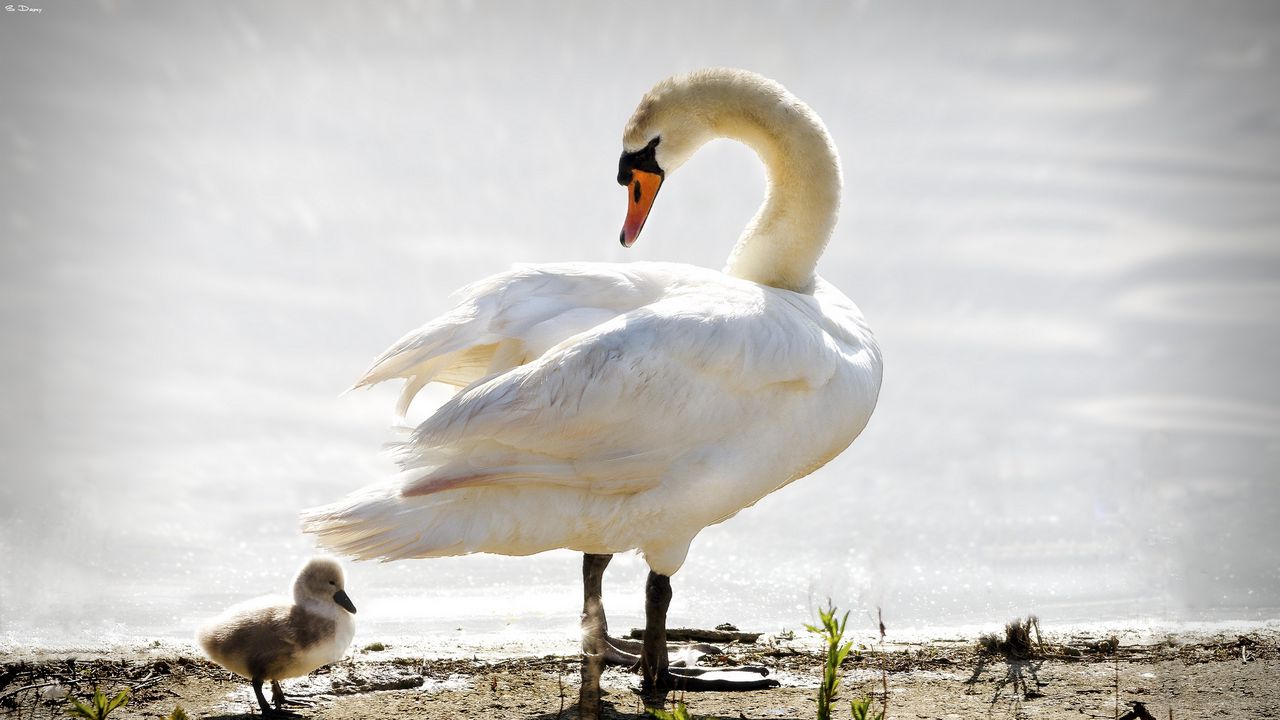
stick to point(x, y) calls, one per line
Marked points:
point(333, 583)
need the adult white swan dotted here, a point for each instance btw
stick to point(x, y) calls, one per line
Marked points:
point(612, 407)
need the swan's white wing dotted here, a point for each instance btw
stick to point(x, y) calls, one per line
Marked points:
point(511, 318)
point(610, 409)
point(635, 433)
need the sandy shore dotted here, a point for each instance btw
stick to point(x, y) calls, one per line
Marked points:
point(1179, 676)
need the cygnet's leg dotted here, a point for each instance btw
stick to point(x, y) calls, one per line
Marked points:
point(277, 695)
point(279, 700)
point(659, 677)
point(267, 710)
point(262, 701)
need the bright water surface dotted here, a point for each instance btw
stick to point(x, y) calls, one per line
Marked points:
point(1062, 220)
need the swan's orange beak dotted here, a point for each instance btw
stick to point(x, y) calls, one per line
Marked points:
point(641, 191)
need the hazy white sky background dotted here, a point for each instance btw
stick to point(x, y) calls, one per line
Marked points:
point(1063, 222)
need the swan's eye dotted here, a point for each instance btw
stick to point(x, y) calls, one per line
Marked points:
point(333, 583)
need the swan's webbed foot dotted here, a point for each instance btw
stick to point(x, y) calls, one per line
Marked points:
point(626, 652)
point(736, 679)
point(664, 668)
point(661, 676)
point(682, 670)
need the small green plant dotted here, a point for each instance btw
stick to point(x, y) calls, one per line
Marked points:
point(861, 709)
point(679, 712)
point(177, 714)
point(832, 632)
point(375, 647)
point(100, 706)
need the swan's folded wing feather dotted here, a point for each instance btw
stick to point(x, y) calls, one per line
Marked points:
point(619, 475)
point(507, 320)
point(664, 378)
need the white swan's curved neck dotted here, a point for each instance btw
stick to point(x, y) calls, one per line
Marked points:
point(782, 243)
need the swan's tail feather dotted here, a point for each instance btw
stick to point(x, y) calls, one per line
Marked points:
point(381, 523)
point(376, 523)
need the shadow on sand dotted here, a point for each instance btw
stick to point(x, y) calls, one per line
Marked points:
point(1021, 677)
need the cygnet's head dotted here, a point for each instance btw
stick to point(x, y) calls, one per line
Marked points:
point(675, 118)
point(321, 580)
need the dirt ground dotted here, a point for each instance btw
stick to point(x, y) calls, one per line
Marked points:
point(1224, 676)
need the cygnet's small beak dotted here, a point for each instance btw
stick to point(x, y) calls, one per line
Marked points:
point(341, 598)
point(641, 191)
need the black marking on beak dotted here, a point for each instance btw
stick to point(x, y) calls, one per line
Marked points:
point(341, 598)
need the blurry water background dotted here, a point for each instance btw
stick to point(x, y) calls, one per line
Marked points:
point(1063, 221)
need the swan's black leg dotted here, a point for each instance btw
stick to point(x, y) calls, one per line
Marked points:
point(594, 634)
point(653, 657)
point(659, 677)
point(596, 640)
